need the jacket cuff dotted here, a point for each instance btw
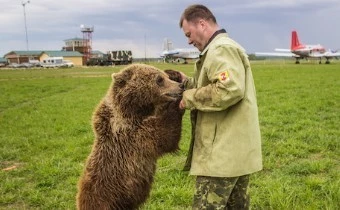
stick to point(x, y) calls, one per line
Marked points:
point(188, 98)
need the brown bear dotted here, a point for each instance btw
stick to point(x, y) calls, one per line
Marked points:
point(137, 121)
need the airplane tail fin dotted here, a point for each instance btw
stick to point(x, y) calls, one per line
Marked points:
point(167, 45)
point(295, 40)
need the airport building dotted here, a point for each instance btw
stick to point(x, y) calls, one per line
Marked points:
point(24, 56)
point(73, 51)
point(74, 44)
point(77, 50)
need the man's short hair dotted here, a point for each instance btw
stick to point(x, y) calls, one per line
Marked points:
point(195, 12)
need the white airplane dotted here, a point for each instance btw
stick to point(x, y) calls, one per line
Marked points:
point(171, 54)
point(300, 51)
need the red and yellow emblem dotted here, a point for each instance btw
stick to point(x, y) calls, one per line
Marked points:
point(223, 76)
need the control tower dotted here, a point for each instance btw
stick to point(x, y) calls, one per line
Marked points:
point(87, 41)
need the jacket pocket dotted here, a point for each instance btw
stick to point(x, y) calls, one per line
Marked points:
point(205, 134)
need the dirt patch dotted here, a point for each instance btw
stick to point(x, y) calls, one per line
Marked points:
point(9, 165)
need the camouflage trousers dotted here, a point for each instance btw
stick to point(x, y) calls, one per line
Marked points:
point(214, 193)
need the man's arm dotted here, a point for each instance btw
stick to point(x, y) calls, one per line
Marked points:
point(227, 76)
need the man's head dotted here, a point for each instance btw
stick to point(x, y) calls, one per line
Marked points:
point(198, 24)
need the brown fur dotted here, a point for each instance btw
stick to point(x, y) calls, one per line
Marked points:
point(135, 123)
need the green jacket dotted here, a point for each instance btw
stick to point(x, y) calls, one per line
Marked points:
point(226, 133)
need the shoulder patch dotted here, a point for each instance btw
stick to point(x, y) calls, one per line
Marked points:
point(224, 76)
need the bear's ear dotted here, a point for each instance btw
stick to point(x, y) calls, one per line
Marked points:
point(121, 78)
point(174, 75)
point(113, 76)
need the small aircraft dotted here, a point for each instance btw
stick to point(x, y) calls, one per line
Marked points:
point(300, 51)
point(171, 54)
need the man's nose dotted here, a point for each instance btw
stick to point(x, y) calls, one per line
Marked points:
point(190, 41)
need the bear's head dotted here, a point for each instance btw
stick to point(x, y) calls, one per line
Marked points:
point(139, 90)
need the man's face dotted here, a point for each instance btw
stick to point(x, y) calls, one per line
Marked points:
point(194, 32)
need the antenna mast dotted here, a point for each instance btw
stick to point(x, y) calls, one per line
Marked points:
point(24, 5)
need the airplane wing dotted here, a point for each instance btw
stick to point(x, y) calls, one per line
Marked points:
point(171, 52)
point(282, 50)
point(327, 54)
point(287, 54)
point(331, 54)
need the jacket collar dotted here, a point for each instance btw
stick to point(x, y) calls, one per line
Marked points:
point(221, 31)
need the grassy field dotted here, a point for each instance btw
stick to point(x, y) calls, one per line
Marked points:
point(46, 135)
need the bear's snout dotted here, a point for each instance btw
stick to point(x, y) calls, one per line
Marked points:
point(181, 85)
point(175, 92)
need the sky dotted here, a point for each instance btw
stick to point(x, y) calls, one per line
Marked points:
point(142, 26)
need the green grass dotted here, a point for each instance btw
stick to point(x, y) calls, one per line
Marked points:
point(45, 132)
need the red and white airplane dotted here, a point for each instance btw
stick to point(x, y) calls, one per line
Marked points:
point(300, 51)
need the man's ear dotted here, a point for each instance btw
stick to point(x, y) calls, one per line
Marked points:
point(202, 23)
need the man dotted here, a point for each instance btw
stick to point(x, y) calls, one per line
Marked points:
point(226, 143)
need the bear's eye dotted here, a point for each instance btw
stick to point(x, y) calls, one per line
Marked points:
point(160, 80)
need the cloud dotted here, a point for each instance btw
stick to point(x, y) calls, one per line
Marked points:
point(142, 25)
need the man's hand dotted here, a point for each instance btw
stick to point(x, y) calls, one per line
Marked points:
point(181, 104)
